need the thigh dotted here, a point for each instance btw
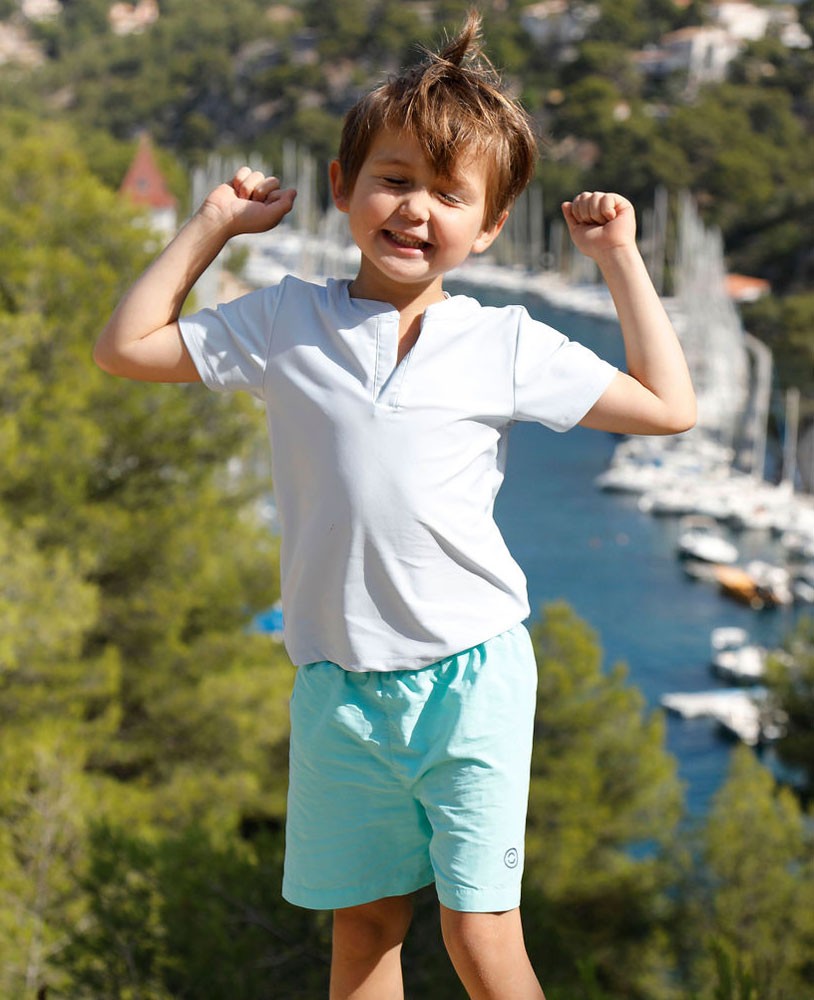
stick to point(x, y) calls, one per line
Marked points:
point(380, 924)
point(354, 834)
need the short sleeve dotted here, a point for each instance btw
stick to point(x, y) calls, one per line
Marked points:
point(229, 345)
point(556, 380)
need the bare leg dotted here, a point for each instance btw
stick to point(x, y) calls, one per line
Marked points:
point(366, 958)
point(489, 955)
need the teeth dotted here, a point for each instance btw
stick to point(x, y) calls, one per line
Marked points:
point(407, 241)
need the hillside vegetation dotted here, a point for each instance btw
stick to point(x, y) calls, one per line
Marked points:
point(249, 75)
point(143, 723)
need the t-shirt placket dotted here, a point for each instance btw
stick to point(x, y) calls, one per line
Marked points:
point(388, 375)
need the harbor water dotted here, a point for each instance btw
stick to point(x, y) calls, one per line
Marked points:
point(617, 567)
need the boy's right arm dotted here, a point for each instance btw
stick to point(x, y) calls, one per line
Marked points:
point(142, 339)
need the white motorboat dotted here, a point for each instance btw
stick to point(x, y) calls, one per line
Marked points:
point(735, 658)
point(700, 539)
point(737, 712)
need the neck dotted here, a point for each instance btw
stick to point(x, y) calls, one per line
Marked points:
point(411, 299)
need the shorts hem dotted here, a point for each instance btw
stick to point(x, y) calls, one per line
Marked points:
point(339, 898)
point(478, 900)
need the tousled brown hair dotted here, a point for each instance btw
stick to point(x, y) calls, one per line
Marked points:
point(453, 104)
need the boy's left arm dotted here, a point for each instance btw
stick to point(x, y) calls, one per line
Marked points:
point(656, 396)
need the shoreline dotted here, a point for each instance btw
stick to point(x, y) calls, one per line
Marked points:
point(592, 300)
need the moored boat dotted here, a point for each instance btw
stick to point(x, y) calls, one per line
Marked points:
point(700, 539)
point(735, 658)
point(758, 584)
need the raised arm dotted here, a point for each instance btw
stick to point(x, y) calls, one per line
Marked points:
point(656, 395)
point(142, 339)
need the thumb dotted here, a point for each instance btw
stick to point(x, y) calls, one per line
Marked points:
point(280, 203)
point(568, 215)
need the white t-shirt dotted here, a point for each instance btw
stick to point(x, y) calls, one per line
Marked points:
point(385, 476)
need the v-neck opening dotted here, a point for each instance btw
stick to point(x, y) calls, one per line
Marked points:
point(390, 373)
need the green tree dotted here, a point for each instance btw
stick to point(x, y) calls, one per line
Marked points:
point(589, 108)
point(183, 916)
point(603, 60)
point(604, 803)
point(791, 681)
point(394, 31)
point(131, 562)
point(343, 27)
point(45, 798)
point(755, 902)
point(786, 323)
point(744, 146)
point(54, 708)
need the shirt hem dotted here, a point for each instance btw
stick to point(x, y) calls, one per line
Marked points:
point(411, 663)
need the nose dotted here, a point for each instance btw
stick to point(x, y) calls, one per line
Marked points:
point(415, 205)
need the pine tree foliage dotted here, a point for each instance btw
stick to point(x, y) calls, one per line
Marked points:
point(604, 801)
point(753, 909)
point(791, 680)
point(131, 562)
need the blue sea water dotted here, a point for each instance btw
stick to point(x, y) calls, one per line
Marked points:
point(617, 567)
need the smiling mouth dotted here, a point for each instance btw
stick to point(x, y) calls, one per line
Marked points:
point(408, 242)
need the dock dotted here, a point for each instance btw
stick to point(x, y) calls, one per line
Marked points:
point(738, 712)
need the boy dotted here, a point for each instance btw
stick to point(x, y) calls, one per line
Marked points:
point(388, 405)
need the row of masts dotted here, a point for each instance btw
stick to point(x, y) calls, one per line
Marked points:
point(732, 370)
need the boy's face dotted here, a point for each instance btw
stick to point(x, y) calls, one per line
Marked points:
point(412, 224)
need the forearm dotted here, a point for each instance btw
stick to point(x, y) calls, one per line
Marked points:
point(156, 299)
point(142, 339)
point(653, 353)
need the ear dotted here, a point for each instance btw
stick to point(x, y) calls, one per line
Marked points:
point(338, 186)
point(488, 236)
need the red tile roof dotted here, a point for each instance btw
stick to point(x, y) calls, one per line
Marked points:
point(743, 288)
point(144, 182)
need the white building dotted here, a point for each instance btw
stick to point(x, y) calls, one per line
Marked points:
point(133, 18)
point(17, 47)
point(40, 10)
point(742, 20)
point(702, 54)
point(750, 23)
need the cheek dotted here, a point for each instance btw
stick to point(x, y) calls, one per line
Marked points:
point(471, 231)
point(373, 210)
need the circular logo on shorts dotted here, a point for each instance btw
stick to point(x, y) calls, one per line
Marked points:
point(511, 857)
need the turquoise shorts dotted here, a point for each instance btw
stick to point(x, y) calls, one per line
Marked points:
point(404, 778)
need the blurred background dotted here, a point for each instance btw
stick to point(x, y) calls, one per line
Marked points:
point(143, 682)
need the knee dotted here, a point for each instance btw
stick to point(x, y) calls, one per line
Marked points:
point(372, 929)
point(464, 933)
point(478, 935)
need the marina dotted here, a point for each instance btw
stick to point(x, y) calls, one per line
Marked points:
point(609, 519)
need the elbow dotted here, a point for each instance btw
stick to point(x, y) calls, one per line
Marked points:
point(102, 358)
point(109, 362)
point(106, 355)
point(681, 419)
